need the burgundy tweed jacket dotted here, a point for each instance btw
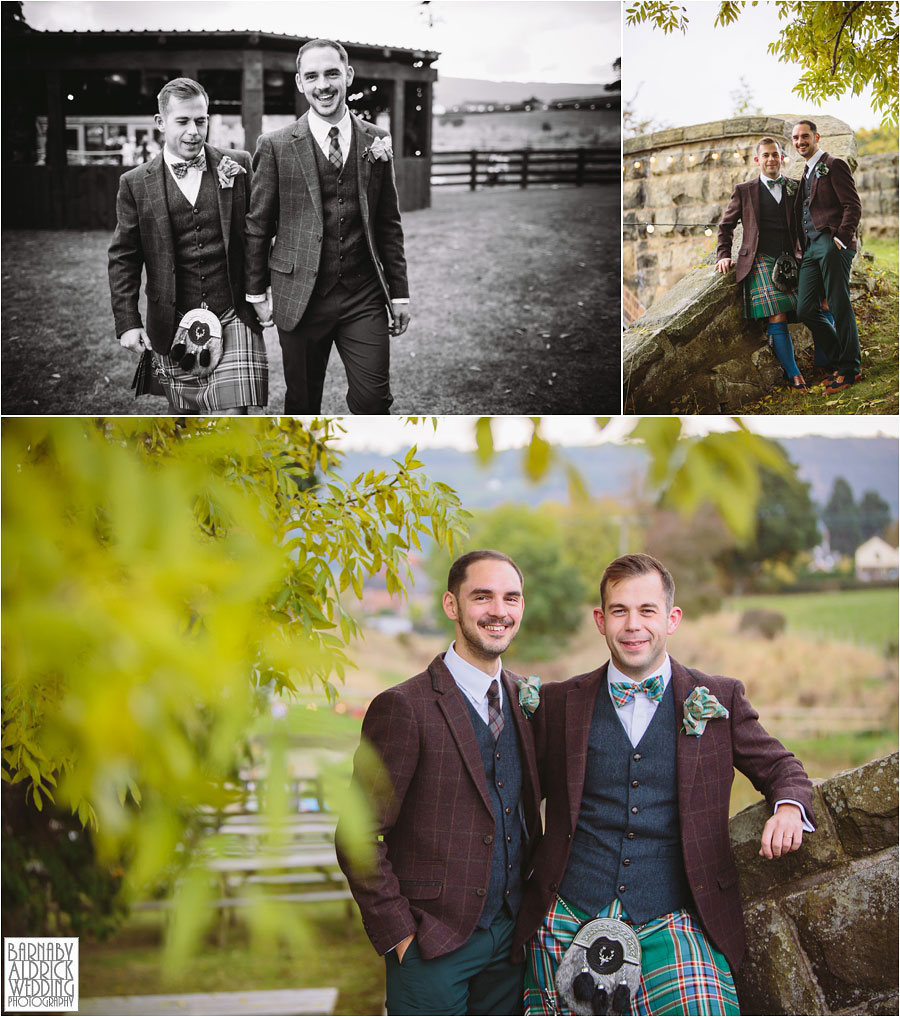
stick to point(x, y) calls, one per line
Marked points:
point(705, 773)
point(287, 204)
point(744, 207)
point(143, 240)
point(833, 203)
point(433, 812)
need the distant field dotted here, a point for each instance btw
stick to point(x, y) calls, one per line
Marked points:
point(570, 128)
point(864, 617)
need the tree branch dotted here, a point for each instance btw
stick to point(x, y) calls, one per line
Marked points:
point(840, 32)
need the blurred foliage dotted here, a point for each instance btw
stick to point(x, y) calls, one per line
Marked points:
point(841, 47)
point(554, 594)
point(841, 516)
point(162, 579)
point(882, 140)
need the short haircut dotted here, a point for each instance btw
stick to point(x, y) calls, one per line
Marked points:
point(768, 141)
point(180, 88)
point(323, 44)
point(631, 565)
point(810, 124)
point(460, 567)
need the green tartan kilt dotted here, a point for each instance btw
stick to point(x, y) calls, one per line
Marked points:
point(761, 298)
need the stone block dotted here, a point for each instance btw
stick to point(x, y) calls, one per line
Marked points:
point(848, 929)
point(773, 978)
point(819, 851)
point(863, 805)
point(881, 1006)
point(703, 132)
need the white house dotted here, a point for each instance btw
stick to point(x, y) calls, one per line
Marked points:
point(876, 559)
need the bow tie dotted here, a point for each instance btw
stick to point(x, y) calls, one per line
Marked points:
point(181, 168)
point(623, 692)
point(772, 183)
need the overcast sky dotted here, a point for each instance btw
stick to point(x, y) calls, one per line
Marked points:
point(389, 434)
point(687, 79)
point(501, 40)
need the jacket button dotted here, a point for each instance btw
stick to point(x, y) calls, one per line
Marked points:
point(626, 861)
point(507, 810)
point(636, 757)
point(481, 892)
point(568, 836)
point(630, 835)
point(489, 838)
point(622, 888)
point(553, 886)
point(698, 887)
point(634, 809)
point(634, 783)
point(499, 783)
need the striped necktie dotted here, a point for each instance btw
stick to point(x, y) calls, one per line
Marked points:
point(334, 150)
point(623, 692)
point(495, 714)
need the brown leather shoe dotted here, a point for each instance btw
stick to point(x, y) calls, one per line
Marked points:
point(840, 381)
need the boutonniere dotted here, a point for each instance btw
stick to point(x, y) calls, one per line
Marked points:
point(529, 694)
point(821, 169)
point(790, 185)
point(699, 707)
point(227, 170)
point(380, 149)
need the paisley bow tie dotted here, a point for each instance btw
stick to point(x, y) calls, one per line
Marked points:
point(623, 692)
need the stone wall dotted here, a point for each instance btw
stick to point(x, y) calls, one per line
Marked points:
point(687, 175)
point(877, 182)
point(822, 928)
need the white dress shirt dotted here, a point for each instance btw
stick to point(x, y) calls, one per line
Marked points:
point(635, 716)
point(774, 191)
point(472, 682)
point(320, 130)
point(189, 184)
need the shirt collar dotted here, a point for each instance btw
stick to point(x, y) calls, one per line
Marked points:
point(665, 670)
point(812, 162)
point(320, 127)
point(473, 682)
point(171, 159)
point(763, 180)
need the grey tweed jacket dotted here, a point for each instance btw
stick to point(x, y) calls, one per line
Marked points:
point(143, 240)
point(287, 204)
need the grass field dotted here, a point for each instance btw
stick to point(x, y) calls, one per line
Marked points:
point(515, 309)
point(866, 617)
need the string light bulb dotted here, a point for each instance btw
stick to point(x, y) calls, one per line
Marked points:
point(708, 231)
point(692, 157)
point(652, 159)
point(715, 155)
point(637, 164)
point(650, 227)
point(671, 159)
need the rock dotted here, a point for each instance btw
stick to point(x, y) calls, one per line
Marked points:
point(863, 803)
point(767, 623)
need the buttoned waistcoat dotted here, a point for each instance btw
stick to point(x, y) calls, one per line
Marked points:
point(433, 829)
point(705, 771)
point(743, 207)
point(143, 241)
point(834, 203)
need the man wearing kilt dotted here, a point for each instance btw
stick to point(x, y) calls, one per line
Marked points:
point(764, 206)
point(181, 217)
point(636, 764)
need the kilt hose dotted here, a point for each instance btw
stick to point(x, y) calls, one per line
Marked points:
point(761, 298)
point(681, 971)
point(241, 377)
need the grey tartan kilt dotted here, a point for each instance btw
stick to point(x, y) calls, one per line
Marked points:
point(241, 378)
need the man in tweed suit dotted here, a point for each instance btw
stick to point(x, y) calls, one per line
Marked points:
point(456, 806)
point(636, 762)
point(186, 263)
point(324, 189)
point(763, 206)
point(826, 214)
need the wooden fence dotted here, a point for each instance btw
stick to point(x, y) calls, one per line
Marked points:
point(526, 167)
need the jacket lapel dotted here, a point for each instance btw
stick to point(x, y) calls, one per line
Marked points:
point(580, 701)
point(224, 195)
point(361, 141)
point(687, 753)
point(451, 703)
point(526, 742)
point(754, 202)
point(303, 146)
point(156, 192)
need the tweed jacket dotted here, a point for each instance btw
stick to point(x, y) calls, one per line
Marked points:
point(744, 206)
point(704, 767)
point(834, 203)
point(143, 240)
point(287, 204)
point(434, 827)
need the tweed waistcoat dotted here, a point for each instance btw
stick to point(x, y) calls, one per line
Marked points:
point(809, 230)
point(345, 255)
point(773, 232)
point(627, 842)
point(503, 769)
point(201, 267)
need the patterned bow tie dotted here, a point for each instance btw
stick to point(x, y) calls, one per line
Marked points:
point(623, 692)
point(181, 168)
point(772, 183)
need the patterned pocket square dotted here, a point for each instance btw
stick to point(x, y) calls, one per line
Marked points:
point(699, 707)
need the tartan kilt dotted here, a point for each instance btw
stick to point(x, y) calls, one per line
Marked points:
point(681, 971)
point(761, 298)
point(241, 378)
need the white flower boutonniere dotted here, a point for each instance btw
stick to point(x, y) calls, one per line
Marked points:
point(529, 694)
point(380, 149)
point(821, 169)
point(227, 170)
point(699, 707)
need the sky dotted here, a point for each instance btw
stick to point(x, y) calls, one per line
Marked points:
point(499, 40)
point(389, 434)
point(678, 79)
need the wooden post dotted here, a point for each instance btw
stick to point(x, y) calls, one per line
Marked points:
point(252, 98)
point(523, 182)
point(579, 168)
point(473, 175)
